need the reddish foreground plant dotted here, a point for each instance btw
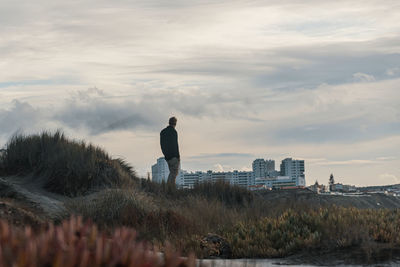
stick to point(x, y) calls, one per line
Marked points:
point(74, 243)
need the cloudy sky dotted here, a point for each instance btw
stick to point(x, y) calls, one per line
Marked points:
point(313, 80)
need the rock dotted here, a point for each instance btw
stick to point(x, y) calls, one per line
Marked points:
point(215, 246)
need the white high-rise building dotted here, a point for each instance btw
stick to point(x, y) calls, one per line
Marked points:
point(264, 168)
point(259, 168)
point(295, 170)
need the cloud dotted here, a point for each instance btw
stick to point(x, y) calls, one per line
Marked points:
point(347, 162)
point(218, 168)
point(393, 71)
point(86, 110)
point(386, 158)
point(350, 162)
point(97, 112)
point(362, 77)
point(217, 45)
point(20, 116)
point(347, 113)
point(93, 111)
point(221, 155)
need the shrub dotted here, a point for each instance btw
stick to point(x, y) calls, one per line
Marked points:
point(231, 195)
point(63, 166)
point(323, 229)
point(118, 207)
point(74, 243)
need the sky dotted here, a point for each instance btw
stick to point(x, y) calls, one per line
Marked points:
point(313, 80)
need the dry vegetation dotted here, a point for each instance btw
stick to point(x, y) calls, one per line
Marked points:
point(63, 166)
point(107, 191)
point(74, 243)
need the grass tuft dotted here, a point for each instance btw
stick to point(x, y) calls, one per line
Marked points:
point(63, 166)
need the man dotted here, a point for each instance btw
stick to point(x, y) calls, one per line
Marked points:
point(170, 149)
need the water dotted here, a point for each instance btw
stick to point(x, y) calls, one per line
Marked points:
point(271, 263)
point(245, 263)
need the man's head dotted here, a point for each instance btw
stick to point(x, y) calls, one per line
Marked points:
point(172, 121)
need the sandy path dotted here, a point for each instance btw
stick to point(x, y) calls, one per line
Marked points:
point(28, 190)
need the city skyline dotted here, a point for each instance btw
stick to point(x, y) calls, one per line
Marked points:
point(312, 80)
point(263, 175)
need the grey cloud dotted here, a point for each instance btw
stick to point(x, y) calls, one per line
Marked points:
point(221, 155)
point(208, 161)
point(291, 67)
point(97, 26)
point(198, 103)
point(346, 114)
point(363, 77)
point(354, 161)
point(94, 111)
point(21, 115)
point(347, 131)
point(393, 71)
point(85, 110)
point(98, 112)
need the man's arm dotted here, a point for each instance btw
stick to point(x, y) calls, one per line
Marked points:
point(162, 143)
point(177, 146)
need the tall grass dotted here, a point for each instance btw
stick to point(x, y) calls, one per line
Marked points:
point(126, 207)
point(63, 166)
point(324, 229)
point(231, 195)
point(74, 243)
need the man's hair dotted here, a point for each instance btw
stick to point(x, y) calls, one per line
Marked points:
point(172, 121)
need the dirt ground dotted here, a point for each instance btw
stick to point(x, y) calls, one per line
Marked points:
point(19, 215)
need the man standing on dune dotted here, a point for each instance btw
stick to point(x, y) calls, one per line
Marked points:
point(170, 149)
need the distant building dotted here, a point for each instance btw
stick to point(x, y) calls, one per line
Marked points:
point(276, 182)
point(264, 168)
point(295, 170)
point(259, 168)
point(318, 188)
point(343, 188)
point(188, 180)
point(263, 175)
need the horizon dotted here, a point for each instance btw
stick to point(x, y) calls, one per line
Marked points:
point(248, 79)
point(277, 169)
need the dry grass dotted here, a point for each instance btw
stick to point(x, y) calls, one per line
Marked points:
point(117, 207)
point(74, 243)
point(64, 166)
point(324, 229)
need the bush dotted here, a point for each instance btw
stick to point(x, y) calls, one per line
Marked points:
point(325, 229)
point(74, 243)
point(231, 195)
point(118, 207)
point(63, 166)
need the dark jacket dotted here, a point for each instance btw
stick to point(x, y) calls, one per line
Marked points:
point(169, 143)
